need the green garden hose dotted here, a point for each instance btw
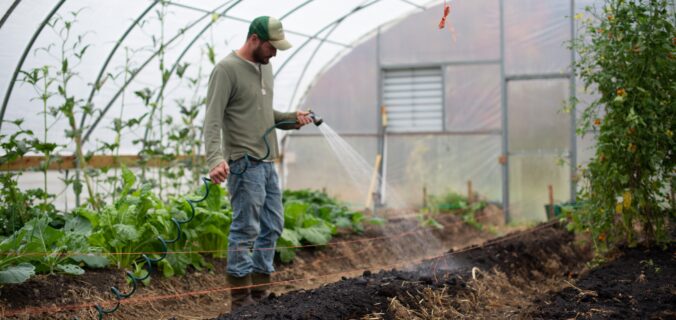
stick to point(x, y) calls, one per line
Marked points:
point(247, 157)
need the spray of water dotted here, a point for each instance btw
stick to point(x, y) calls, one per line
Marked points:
point(359, 170)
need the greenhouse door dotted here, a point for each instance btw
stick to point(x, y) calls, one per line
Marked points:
point(539, 145)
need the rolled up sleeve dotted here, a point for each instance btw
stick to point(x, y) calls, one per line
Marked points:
point(285, 116)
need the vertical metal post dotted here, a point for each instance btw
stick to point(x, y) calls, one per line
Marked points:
point(505, 122)
point(381, 129)
point(573, 111)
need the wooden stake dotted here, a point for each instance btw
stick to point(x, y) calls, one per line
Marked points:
point(374, 181)
point(550, 214)
point(424, 202)
point(470, 195)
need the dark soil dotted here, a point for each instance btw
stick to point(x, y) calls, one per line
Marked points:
point(59, 288)
point(639, 284)
point(542, 252)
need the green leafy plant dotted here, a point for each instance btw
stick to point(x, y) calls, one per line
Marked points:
point(301, 226)
point(627, 55)
point(17, 206)
point(14, 264)
point(39, 247)
point(120, 125)
point(184, 137)
point(312, 217)
point(457, 204)
point(206, 234)
point(329, 209)
point(131, 224)
point(71, 50)
point(41, 81)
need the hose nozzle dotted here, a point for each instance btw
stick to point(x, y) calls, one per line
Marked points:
point(315, 118)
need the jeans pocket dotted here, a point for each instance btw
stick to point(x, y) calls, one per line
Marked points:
point(237, 166)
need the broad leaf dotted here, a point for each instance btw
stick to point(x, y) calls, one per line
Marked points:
point(286, 255)
point(215, 198)
point(17, 274)
point(92, 261)
point(92, 216)
point(294, 212)
point(289, 238)
point(319, 234)
point(167, 269)
point(70, 269)
point(128, 179)
point(343, 222)
point(78, 225)
point(125, 232)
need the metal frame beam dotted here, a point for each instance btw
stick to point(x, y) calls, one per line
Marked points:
point(110, 57)
point(451, 63)
point(541, 76)
point(505, 123)
point(139, 69)
point(23, 59)
point(184, 6)
point(339, 20)
point(9, 12)
point(307, 63)
point(573, 111)
point(333, 24)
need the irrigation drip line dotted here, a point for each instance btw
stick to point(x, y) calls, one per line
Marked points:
point(119, 295)
point(39, 310)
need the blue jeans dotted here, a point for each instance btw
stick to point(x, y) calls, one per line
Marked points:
point(257, 217)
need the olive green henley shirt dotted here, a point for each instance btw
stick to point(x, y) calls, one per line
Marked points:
point(239, 111)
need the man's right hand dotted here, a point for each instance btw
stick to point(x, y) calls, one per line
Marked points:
point(219, 173)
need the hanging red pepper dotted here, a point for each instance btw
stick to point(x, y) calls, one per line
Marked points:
point(442, 23)
point(447, 10)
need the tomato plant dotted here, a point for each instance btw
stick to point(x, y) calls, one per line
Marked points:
point(626, 53)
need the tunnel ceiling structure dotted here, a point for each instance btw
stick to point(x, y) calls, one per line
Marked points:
point(178, 36)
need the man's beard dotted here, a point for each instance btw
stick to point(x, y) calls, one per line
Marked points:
point(259, 57)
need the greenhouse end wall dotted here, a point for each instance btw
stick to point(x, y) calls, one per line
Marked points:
point(537, 85)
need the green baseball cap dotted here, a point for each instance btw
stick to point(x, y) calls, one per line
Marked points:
point(269, 29)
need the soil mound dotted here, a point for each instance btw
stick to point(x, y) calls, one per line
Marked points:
point(639, 284)
point(540, 252)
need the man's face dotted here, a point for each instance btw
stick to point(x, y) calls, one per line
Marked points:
point(263, 52)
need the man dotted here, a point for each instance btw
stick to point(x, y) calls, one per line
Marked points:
point(239, 107)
